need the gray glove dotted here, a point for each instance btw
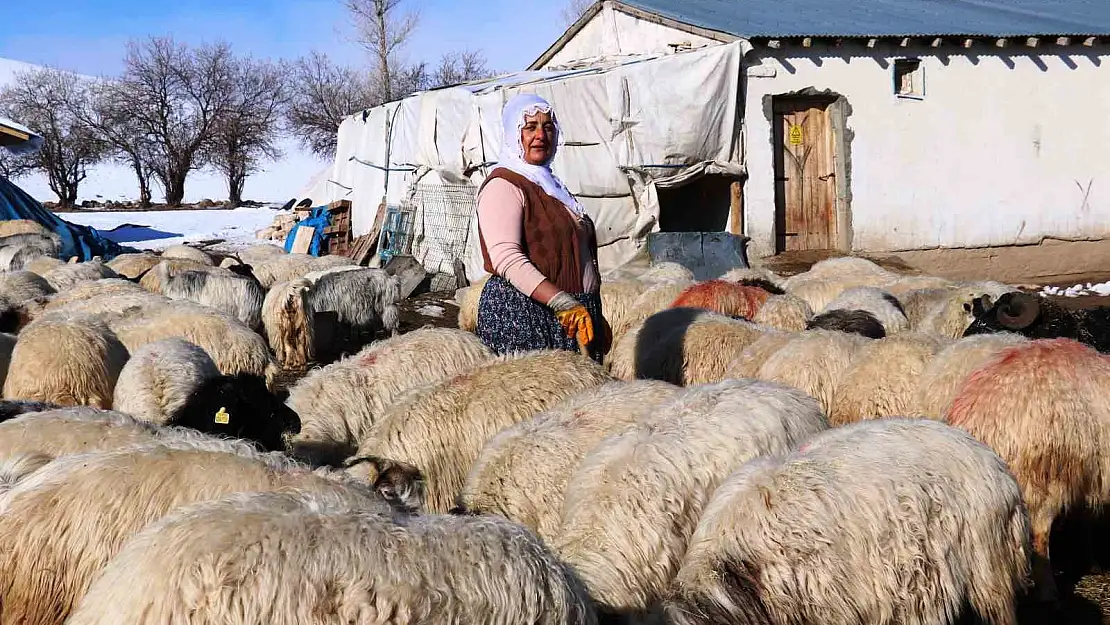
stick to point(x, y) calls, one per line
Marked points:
point(563, 301)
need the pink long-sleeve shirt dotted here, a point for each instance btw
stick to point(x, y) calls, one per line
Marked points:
point(501, 220)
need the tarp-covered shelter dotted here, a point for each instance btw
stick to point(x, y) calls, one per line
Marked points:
point(629, 135)
point(80, 241)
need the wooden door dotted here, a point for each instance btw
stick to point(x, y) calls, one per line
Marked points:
point(805, 175)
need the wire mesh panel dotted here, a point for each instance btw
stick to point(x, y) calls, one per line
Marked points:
point(442, 229)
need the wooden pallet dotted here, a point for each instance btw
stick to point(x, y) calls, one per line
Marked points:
point(362, 249)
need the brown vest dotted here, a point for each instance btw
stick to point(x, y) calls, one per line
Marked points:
point(551, 234)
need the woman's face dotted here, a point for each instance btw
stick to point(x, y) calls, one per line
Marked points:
point(538, 138)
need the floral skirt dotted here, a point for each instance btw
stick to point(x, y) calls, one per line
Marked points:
point(510, 321)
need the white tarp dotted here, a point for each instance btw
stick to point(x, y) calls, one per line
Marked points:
point(630, 125)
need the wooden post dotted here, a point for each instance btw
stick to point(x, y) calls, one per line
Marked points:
point(736, 208)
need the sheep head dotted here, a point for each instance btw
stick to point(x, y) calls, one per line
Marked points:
point(399, 482)
point(1016, 311)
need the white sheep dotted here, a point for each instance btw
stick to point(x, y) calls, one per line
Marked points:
point(339, 403)
point(748, 362)
point(134, 266)
point(17, 287)
point(352, 565)
point(697, 353)
point(50, 551)
point(65, 363)
point(442, 429)
point(522, 472)
point(188, 252)
point(886, 308)
point(880, 522)
point(157, 380)
point(68, 275)
point(814, 361)
point(784, 312)
point(636, 497)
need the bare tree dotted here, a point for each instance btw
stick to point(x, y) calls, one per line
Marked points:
point(460, 67)
point(383, 30)
point(176, 95)
point(38, 100)
point(102, 106)
point(321, 95)
point(575, 9)
point(248, 130)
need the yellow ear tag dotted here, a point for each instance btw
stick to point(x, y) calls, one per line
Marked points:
point(222, 417)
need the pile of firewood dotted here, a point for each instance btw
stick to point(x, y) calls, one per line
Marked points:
point(281, 227)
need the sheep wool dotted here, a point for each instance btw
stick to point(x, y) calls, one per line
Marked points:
point(284, 267)
point(468, 298)
point(698, 353)
point(748, 363)
point(625, 359)
point(442, 431)
point(882, 380)
point(43, 264)
point(153, 280)
point(50, 552)
point(522, 472)
point(656, 298)
point(617, 299)
point(68, 275)
point(64, 431)
point(1044, 406)
point(741, 274)
point(68, 364)
point(159, 377)
point(946, 372)
point(187, 252)
point(9, 227)
point(886, 308)
point(134, 266)
point(636, 498)
point(17, 287)
point(784, 312)
point(724, 297)
point(353, 566)
point(339, 403)
point(366, 299)
point(880, 522)
point(814, 361)
point(287, 319)
point(234, 295)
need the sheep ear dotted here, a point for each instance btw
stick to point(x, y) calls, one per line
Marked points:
point(396, 481)
point(1019, 312)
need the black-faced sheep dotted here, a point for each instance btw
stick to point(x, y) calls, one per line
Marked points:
point(238, 406)
point(442, 429)
point(522, 473)
point(228, 561)
point(859, 322)
point(339, 403)
point(880, 522)
point(636, 497)
point(159, 377)
point(885, 307)
point(50, 551)
point(1044, 406)
point(1038, 318)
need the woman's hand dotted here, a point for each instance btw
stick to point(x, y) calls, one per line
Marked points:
point(578, 324)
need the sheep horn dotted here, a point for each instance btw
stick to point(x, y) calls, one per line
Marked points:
point(1019, 312)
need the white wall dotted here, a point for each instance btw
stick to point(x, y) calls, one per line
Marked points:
point(613, 33)
point(1005, 148)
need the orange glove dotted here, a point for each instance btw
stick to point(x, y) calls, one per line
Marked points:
point(577, 323)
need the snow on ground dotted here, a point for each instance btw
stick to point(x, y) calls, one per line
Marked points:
point(1079, 290)
point(153, 230)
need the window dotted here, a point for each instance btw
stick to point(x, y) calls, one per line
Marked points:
point(909, 79)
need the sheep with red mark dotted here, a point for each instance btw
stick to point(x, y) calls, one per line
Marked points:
point(523, 471)
point(340, 403)
point(946, 372)
point(883, 379)
point(897, 521)
point(727, 298)
point(1044, 406)
point(635, 499)
point(442, 429)
point(656, 298)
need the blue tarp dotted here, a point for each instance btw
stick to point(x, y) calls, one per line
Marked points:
point(317, 219)
point(80, 241)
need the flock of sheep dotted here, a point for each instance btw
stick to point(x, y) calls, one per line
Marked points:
point(846, 446)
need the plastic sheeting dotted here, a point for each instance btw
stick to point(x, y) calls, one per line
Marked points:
point(80, 241)
point(630, 126)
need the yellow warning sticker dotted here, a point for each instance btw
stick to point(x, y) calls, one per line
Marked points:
point(795, 135)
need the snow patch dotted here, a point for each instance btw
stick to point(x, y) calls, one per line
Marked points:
point(156, 230)
point(431, 311)
point(1078, 290)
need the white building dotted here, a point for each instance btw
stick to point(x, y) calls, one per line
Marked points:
point(949, 132)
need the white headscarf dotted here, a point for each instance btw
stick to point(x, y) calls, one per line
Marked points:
point(512, 152)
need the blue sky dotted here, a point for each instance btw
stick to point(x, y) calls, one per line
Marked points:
point(89, 36)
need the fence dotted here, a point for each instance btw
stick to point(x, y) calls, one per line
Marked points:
point(441, 228)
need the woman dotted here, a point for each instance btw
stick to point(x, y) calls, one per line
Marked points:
point(538, 243)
